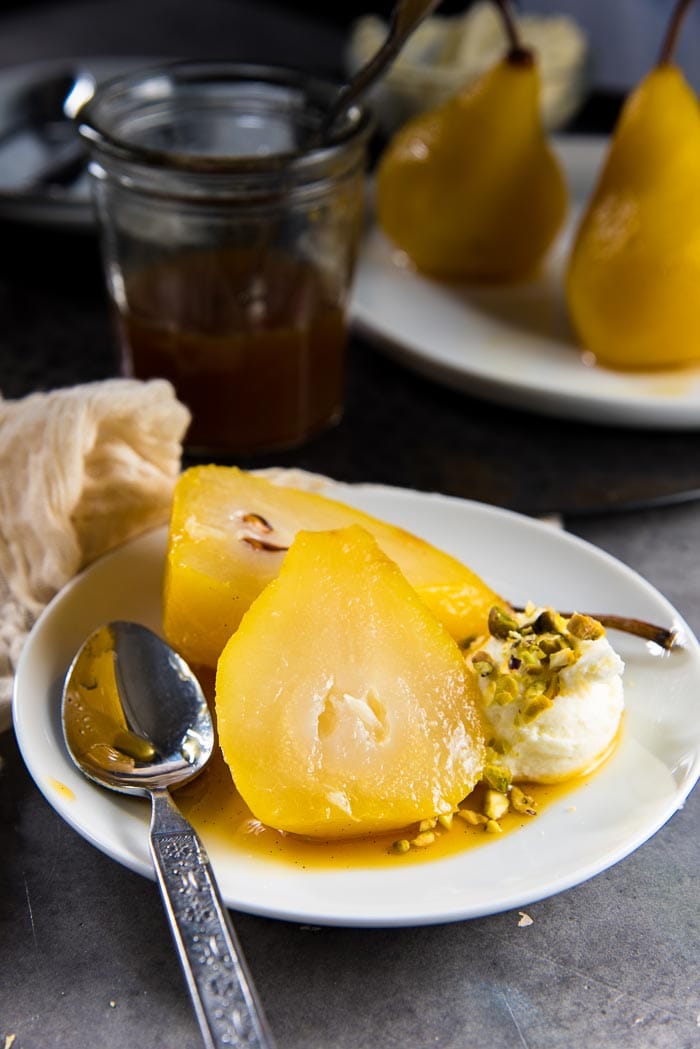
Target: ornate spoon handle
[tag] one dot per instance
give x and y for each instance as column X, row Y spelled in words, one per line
column 224, row 998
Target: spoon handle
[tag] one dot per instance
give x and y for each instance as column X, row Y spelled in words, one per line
column 225, row 1001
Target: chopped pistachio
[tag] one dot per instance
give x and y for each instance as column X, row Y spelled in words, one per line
column 585, row 628
column 564, row 658
column 497, row 777
column 483, row 663
column 421, row 841
column 427, row 824
column 470, row 816
column 401, row 846
column 501, row 624
column 493, row 827
column 506, row 689
column 552, row 643
column 496, row 804
column 534, row 707
column 549, row 622
column 535, row 687
column 523, row 802
column 530, row 656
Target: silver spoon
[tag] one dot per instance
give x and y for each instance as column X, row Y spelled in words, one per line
column 135, row 720
column 405, row 18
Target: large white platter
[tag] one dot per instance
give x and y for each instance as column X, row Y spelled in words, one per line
column 513, row 345
column 654, row 768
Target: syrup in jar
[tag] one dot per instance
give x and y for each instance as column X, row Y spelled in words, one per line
column 254, row 347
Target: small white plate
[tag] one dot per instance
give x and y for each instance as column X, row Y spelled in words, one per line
column 645, row 782
column 513, row 345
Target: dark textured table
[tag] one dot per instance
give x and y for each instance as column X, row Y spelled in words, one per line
column 86, row 960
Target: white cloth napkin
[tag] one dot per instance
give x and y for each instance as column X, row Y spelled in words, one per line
column 81, row 470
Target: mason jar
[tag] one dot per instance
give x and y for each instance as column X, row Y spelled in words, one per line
column 229, row 236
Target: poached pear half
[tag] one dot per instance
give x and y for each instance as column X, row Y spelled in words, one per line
column 343, row 707
column 229, row 535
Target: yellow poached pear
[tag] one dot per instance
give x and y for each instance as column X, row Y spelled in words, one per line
column 471, row 190
column 229, row 534
column 343, row 706
column 633, row 280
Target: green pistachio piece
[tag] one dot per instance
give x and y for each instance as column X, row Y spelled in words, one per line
column 585, row 628
column 498, row 777
column 534, row 707
column 470, row 816
column 401, row 846
column 562, row 659
column 551, row 643
column 523, row 802
column 421, row 841
column 501, row 624
column 496, row 804
column 506, row 689
column 549, row 622
column 530, row 656
column 483, row 663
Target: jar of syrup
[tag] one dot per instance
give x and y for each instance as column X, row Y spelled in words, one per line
column 229, row 241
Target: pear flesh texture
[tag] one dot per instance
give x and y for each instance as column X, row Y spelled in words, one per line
column 633, row 280
column 471, row 190
column 343, row 707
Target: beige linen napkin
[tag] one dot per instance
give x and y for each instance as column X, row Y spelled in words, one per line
column 81, row 470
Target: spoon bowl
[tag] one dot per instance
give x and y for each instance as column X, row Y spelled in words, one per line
column 131, row 730
column 135, row 720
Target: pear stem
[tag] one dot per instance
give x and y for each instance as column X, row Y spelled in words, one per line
column 517, row 53
column 668, row 46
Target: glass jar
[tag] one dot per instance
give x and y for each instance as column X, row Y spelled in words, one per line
column 229, row 241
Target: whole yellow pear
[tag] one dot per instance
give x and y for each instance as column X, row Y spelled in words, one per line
column 471, row 190
column 633, row 279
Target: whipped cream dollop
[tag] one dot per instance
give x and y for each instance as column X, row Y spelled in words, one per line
column 551, row 693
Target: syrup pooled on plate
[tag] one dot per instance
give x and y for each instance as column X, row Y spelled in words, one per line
column 215, row 808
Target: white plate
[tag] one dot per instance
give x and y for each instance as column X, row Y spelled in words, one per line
column 514, row 345
column 647, row 779
column 23, row 155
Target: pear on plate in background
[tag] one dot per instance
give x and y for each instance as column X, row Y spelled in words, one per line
column 633, row 278
column 471, row 190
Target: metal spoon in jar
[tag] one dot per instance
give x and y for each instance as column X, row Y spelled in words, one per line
column 405, row 18
column 135, row 720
